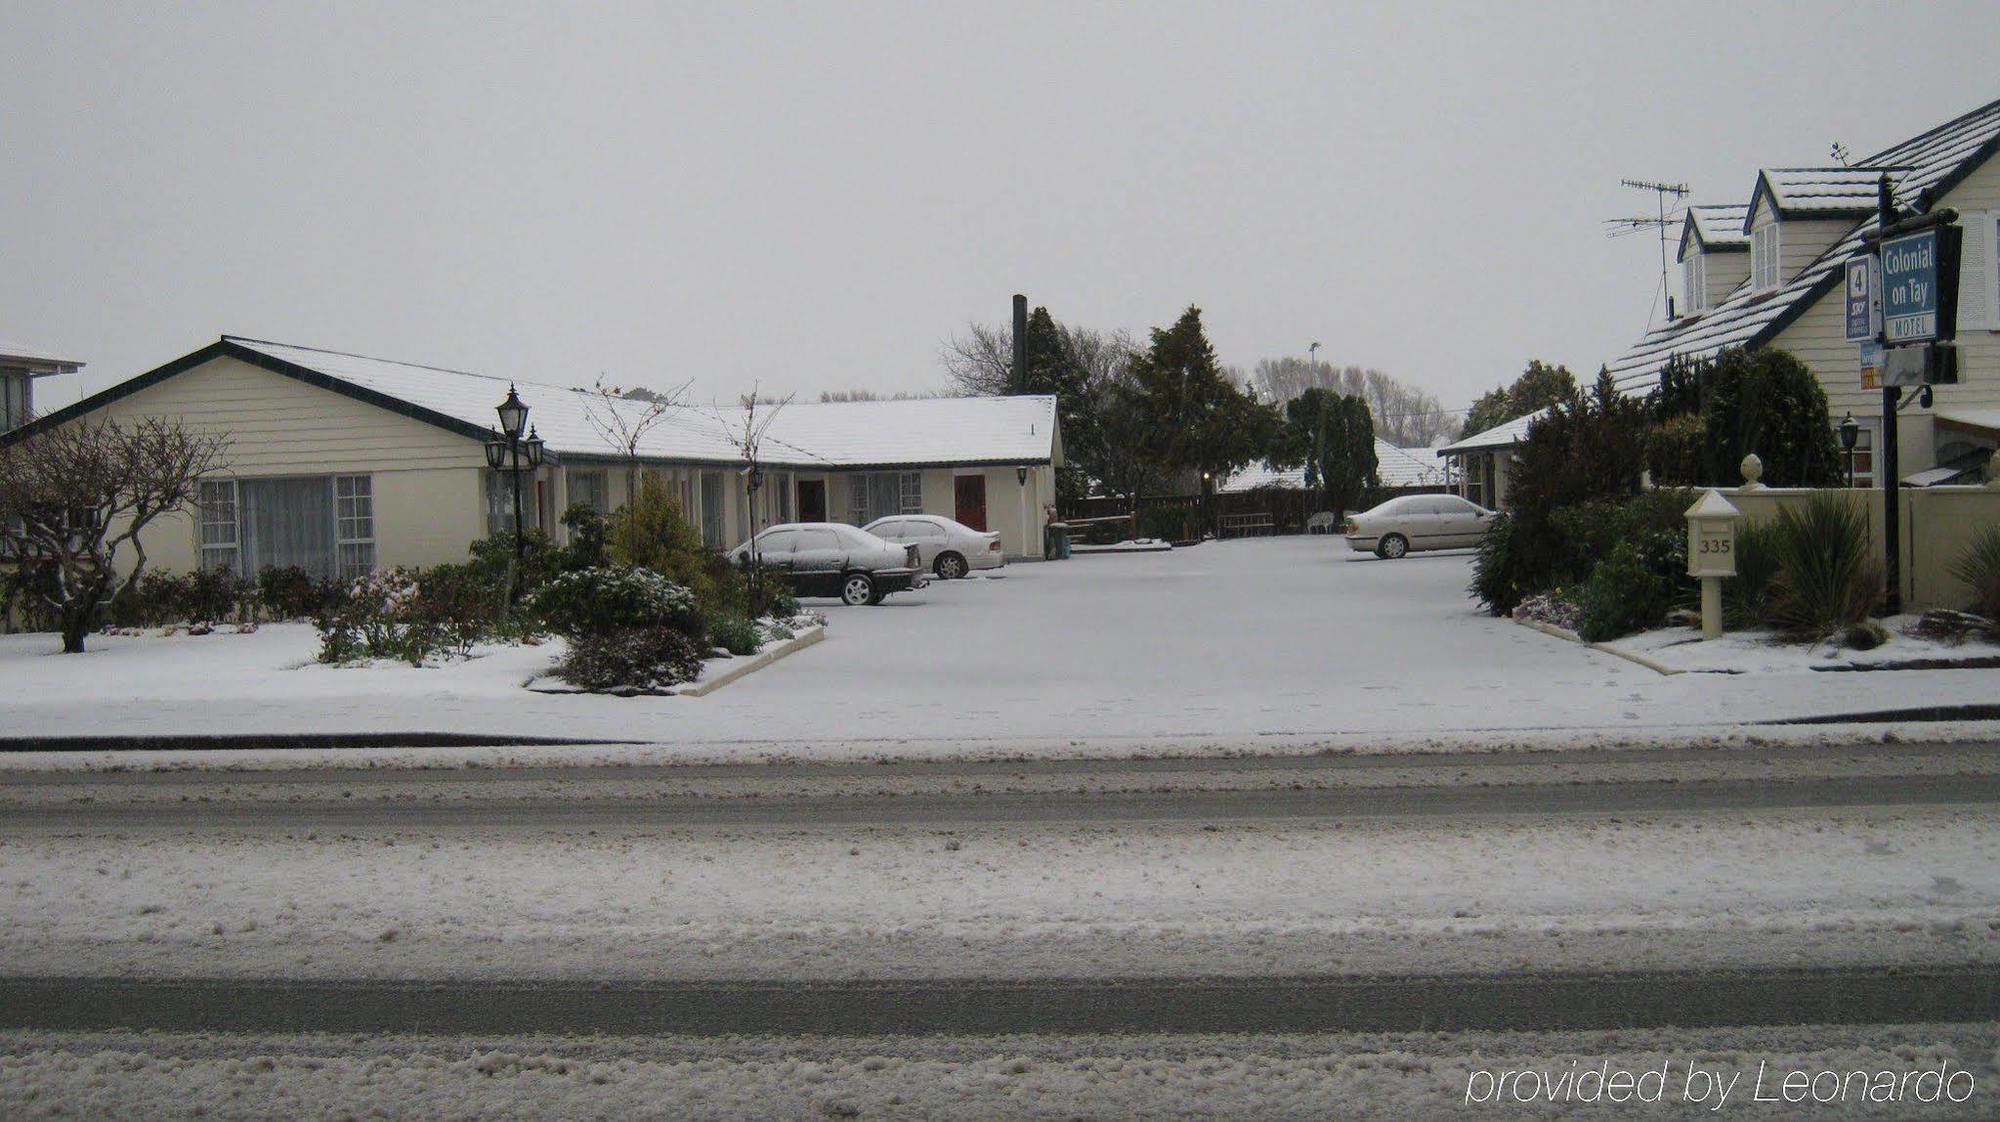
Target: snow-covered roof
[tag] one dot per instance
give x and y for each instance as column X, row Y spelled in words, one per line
column 1499, row 436
column 1832, row 192
column 1925, row 165
column 1396, row 467
column 1718, row 227
column 950, row 430
column 36, row 360
column 1988, row 418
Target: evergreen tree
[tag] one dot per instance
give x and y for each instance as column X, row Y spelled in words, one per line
column 1538, row 387
column 1191, row 417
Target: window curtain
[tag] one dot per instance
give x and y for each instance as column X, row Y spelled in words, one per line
column 287, row 522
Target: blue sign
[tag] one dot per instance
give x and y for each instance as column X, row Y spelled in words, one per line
column 1910, row 287
column 1864, row 301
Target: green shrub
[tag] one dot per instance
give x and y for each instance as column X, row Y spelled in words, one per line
column 1493, row 568
column 1626, row 593
column 650, row 533
column 1979, row 566
column 587, row 548
column 734, row 633
column 1746, row 597
column 602, row 601
column 637, row 659
column 1174, row 522
column 411, row 615
column 212, row 595
column 293, row 593
column 1825, row 579
column 771, row 596
column 493, row 558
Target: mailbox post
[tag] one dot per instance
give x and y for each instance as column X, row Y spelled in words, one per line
column 1712, row 554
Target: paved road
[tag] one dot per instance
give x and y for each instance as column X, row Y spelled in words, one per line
column 1778, row 996
column 1041, row 808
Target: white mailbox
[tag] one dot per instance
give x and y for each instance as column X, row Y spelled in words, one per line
column 1712, row 536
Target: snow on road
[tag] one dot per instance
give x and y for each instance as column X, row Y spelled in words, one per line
column 1265, row 645
column 1478, row 895
column 1347, row 1076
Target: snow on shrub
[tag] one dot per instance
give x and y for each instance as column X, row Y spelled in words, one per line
column 606, row 600
column 630, row 660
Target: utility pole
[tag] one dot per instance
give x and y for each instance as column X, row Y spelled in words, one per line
column 1319, row 424
column 1018, row 384
column 1889, row 466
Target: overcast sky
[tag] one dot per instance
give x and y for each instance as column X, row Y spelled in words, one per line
column 813, row 197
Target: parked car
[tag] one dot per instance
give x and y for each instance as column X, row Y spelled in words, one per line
column 1418, row 522
column 834, row 559
column 949, row 549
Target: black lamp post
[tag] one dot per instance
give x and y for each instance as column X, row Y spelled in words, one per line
column 507, row 452
column 1850, row 434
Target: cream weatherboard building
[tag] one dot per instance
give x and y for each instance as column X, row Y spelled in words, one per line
column 340, row 463
column 1769, row 273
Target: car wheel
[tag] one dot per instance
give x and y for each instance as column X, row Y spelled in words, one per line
column 1392, row 546
column 857, row 589
column 949, row 566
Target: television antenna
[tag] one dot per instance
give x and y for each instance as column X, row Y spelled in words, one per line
column 1665, row 217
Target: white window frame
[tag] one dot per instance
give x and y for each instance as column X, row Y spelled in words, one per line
column 1694, row 283
column 218, row 555
column 353, row 525
column 910, row 492
column 599, row 501
column 1766, row 247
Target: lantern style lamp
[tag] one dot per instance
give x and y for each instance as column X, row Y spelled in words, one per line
column 496, row 452
column 1850, row 434
column 533, row 448
column 513, row 415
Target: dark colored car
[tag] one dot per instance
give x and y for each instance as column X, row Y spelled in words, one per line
column 834, row 559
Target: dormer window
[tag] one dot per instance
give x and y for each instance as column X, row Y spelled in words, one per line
column 1694, row 284
column 1764, row 272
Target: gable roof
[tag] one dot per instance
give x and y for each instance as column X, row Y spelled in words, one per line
column 1499, row 436
column 1836, row 192
column 1396, row 467
column 1719, row 229
column 38, row 362
column 1929, row 164
column 968, row 430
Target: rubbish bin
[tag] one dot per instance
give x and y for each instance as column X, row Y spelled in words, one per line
column 1055, row 541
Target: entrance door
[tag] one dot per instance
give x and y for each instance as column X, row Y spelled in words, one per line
column 812, row 500
column 970, row 493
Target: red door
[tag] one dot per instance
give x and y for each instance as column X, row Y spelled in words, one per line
column 971, row 505
column 812, row 500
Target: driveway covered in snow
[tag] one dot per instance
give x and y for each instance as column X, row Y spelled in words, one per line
column 1277, row 644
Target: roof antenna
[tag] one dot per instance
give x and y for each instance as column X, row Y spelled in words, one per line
column 1664, row 218
column 1841, row 152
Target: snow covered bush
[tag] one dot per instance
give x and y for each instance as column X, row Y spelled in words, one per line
column 605, row 600
column 1626, row 593
column 411, row 615
column 1556, row 608
column 631, row 660
column 293, row 593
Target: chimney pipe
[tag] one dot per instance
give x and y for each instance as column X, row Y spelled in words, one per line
column 1019, row 382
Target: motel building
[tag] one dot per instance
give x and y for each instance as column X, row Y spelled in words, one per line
column 341, row 464
column 1771, row 272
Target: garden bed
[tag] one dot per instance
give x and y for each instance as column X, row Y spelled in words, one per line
column 1762, row 652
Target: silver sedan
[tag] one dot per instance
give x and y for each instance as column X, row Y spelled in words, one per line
column 1418, row 522
column 949, row 549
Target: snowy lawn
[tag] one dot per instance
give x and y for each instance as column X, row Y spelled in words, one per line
column 1258, row 645
column 1869, row 886
column 1682, row 648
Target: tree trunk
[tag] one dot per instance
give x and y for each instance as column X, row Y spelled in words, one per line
column 75, row 625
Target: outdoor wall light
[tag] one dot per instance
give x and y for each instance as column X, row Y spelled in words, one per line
column 1021, row 476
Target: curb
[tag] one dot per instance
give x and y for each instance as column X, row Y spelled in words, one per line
column 1628, row 656
column 756, row 662
column 202, row 742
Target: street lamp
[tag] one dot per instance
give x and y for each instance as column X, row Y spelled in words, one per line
column 508, row 451
column 1850, row 434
